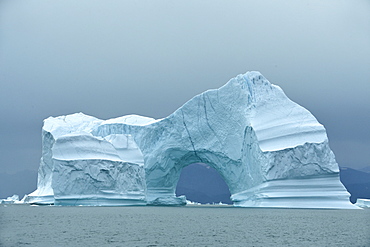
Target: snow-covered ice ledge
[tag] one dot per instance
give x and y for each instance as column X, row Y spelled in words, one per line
column 270, row 151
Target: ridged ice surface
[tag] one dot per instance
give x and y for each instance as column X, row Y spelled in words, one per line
column 267, row 148
column 311, row 192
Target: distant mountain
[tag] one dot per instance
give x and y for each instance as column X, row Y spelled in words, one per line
column 365, row 169
column 201, row 183
column 20, row 183
column 356, row 182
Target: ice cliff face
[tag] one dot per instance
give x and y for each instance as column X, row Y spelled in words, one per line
column 270, row 151
column 78, row 168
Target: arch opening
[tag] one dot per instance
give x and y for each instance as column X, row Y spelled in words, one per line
column 203, row 184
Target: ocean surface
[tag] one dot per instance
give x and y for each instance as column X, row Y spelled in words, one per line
column 22, row 225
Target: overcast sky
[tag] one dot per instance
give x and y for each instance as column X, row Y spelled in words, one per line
column 112, row 58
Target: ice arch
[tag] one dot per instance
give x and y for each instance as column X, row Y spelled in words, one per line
column 270, row 151
column 163, row 175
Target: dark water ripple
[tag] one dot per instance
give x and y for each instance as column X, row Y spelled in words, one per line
column 22, row 225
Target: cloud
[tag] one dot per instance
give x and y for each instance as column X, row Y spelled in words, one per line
column 111, row 58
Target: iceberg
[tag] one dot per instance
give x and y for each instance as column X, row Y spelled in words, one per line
column 270, row 151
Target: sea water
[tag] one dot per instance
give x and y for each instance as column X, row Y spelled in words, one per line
column 22, row 225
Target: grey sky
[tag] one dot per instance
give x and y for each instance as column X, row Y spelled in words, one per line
column 112, row 58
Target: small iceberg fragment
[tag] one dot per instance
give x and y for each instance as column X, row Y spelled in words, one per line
column 363, row 203
column 10, row 200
